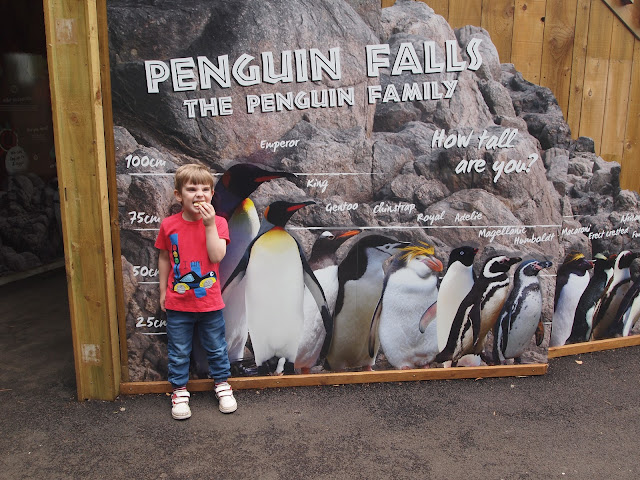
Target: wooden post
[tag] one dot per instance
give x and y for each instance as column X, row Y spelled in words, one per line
column 76, row 92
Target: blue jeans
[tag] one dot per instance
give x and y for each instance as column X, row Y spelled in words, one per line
column 180, row 341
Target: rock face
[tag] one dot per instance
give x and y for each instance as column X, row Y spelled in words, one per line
column 494, row 165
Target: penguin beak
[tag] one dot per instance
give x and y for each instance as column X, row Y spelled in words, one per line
column 273, row 176
column 514, row 260
column 434, row 264
column 349, row 233
column 298, row 206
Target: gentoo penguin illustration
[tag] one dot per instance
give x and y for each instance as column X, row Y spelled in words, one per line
column 479, row 310
column 520, row 316
column 276, row 271
column 360, row 279
column 323, row 263
column 583, row 319
column 571, row 282
column 410, row 285
column 613, row 294
column 628, row 312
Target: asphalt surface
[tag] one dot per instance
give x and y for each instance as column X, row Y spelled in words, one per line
column 581, row 420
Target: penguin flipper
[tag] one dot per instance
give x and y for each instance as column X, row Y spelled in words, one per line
column 241, row 268
column 539, row 333
column 428, row 317
column 373, row 330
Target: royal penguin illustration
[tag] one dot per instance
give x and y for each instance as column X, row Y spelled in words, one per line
column 583, row 319
column 571, row 282
column 628, row 312
column 520, row 318
column 410, row 285
column 276, row 271
column 479, row 310
column 360, row 279
column 323, row 263
column 614, row 292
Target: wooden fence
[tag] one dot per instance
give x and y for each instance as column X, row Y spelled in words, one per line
column 586, row 51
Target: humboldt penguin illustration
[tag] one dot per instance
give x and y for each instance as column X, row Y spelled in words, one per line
column 479, row 310
column 360, row 278
column 276, row 271
column 571, row 282
column 323, row 263
column 628, row 312
column 583, row 319
column 410, row 285
column 613, row 294
column 521, row 315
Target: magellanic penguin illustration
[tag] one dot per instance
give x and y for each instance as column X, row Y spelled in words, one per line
column 521, row 315
column 360, row 279
column 583, row 319
column 276, row 271
column 479, row 310
column 571, row 282
column 410, row 285
column 613, row 294
column 323, row 263
column 628, row 312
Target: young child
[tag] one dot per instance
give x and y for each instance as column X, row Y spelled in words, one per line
column 191, row 244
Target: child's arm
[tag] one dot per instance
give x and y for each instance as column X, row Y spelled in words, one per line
column 164, row 266
column 216, row 246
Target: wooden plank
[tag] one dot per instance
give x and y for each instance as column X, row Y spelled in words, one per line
column 557, row 52
column 630, row 177
column 243, row 383
column 497, row 19
column 387, row 3
column 76, row 96
column 578, row 64
column 528, row 37
column 596, row 72
column 628, row 13
column 594, row 346
column 441, row 7
column 618, row 91
column 465, row 13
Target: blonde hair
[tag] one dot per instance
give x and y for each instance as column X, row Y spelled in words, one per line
column 193, row 173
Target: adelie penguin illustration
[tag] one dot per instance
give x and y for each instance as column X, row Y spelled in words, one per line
column 628, row 312
column 360, row 279
column 410, row 285
column 571, row 282
column 520, row 318
column 583, row 319
column 276, row 271
column 479, row 310
column 614, row 292
column 323, row 263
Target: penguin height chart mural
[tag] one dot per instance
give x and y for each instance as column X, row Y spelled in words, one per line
column 396, row 198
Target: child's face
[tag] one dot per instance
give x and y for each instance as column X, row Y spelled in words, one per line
column 192, row 194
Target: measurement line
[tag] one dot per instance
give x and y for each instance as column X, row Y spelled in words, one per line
column 416, row 227
column 158, row 333
column 148, row 283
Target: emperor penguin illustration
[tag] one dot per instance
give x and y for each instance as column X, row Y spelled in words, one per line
column 628, row 312
column 571, row 282
column 276, row 271
column 479, row 310
column 614, row 292
column 323, row 263
column 360, row 279
column 583, row 319
column 410, row 285
column 520, row 318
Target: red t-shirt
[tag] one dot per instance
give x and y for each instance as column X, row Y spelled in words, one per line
column 193, row 284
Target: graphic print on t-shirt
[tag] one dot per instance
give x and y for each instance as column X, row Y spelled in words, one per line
column 192, row 279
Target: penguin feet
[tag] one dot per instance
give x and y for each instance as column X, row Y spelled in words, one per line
column 263, row 370
column 239, row 370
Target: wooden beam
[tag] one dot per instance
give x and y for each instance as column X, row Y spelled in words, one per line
column 243, row 383
column 630, row 175
column 578, row 65
column 628, row 12
column 528, row 37
column 497, row 19
column 76, row 97
column 465, row 13
column 593, row 346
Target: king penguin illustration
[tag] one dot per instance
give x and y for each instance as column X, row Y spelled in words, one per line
column 520, row 318
column 571, row 282
column 323, row 263
column 583, row 319
column 276, row 271
column 360, row 278
column 410, row 285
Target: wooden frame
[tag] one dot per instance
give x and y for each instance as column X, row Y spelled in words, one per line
column 593, row 346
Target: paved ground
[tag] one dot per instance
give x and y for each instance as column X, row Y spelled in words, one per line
column 581, row 420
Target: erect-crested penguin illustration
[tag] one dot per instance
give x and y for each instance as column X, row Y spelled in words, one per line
column 583, row 319
column 410, row 285
column 323, row 263
column 613, row 294
column 276, row 271
column 360, row 279
column 571, row 282
column 479, row 310
column 628, row 312
column 521, row 315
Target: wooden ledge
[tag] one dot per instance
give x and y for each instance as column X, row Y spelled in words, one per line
column 244, row 383
column 593, row 346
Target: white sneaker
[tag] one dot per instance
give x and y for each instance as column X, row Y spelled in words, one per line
column 180, row 405
column 224, row 394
